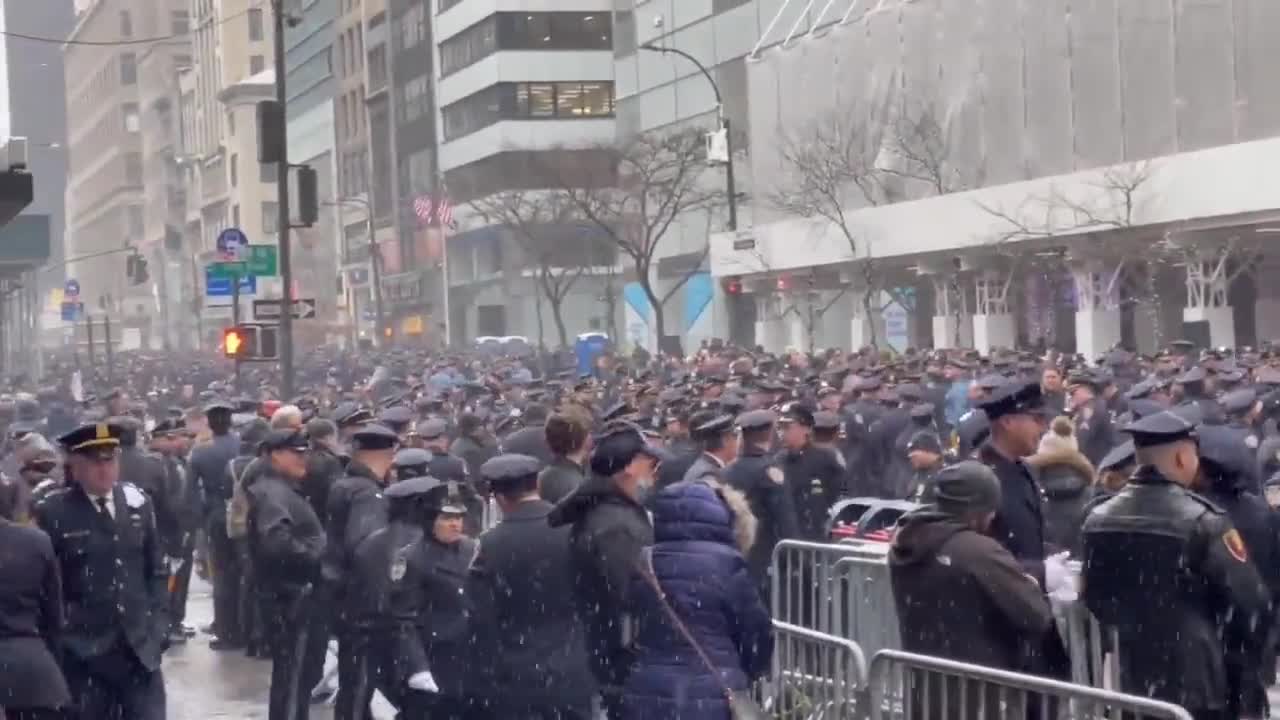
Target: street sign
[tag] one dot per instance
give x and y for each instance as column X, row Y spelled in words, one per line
column 268, row 310
column 232, row 243
column 228, row 270
column 71, row 311
column 262, row 260
column 258, row 260
column 72, row 288
column 215, row 286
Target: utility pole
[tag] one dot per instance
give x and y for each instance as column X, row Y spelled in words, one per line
column 282, row 203
column 375, row 260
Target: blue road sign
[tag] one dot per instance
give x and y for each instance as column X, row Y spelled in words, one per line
column 233, row 243
column 71, row 311
column 72, row 288
column 221, row 286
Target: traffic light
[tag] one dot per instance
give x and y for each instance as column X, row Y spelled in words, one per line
column 135, row 268
column 234, row 343
column 308, row 196
column 251, row 342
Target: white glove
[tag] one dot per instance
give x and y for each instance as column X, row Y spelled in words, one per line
column 1057, row 578
column 173, row 564
column 424, row 682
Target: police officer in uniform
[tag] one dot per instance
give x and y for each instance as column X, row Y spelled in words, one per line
column 1094, row 431
column 31, row 684
column 756, row 476
column 812, row 479
column 1166, row 568
column 1240, row 409
column 535, row 640
column 114, row 581
column 286, row 543
column 209, row 462
column 718, row 441
column 170, row 440
column 356, row 509
column 429, row 608
column 446, row 467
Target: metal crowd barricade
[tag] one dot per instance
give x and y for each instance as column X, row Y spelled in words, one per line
column 814, row 675
column 918, row 687
column 839, row 589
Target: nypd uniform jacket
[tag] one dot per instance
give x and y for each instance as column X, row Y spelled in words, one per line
column 30, row 620
column 1167, row 569
column 815, row 481
column 114, row 577
column 286, row 540
column 1019, row 523
column 755, row 475
column 430, row 609
column 356, row 509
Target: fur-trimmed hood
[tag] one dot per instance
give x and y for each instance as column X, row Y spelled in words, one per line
column 1071, row 458
column 704, row 510
column 1061, row 471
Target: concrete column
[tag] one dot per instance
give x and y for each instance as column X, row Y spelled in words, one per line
column 1267, row 315
column 952, row 316
column 1207, row 297
column 993, row 324
column 1097, row 307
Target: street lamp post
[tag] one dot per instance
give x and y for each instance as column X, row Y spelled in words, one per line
column 375, row 261
column 723, row 121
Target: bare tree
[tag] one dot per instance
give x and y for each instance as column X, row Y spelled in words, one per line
column 538, row 220
column 659, row 182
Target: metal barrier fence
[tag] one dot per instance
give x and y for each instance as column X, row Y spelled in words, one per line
column 814, row 675
column 918, row 687
column 844, row 590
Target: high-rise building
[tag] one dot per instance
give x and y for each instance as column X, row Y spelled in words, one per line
column 520, row 89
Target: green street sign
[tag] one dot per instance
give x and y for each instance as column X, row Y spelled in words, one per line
column 262, row 261
column 228, row 270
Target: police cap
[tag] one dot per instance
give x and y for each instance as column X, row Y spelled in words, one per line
column 1143, row 407
column 1192, row 376
column 992, row 381
column 1118, row 457
column 1224, row 450
column 922, row 411
column 509, row 469
column 100, row 439
column 1160, row 428
column 219, row 406
column 967, row 486
column 349, row 414
column 713, row 425
column 757, row 420
column 797, row 413
column 374, row 437
column 617, row 411
column 410, row 458
column 1238, row 402
column 431, row 428
column 617, row 445
column 294, row 440
column 169, row 426
column 410, row 488
column 1015, row 398
column 1268, row 376
column 397, row 416
column 925, row 440
column 448, row 498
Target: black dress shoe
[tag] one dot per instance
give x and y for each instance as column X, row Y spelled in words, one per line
column 225, row 644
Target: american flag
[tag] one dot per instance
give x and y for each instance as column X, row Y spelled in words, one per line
column 422, row 208
column 446, row 212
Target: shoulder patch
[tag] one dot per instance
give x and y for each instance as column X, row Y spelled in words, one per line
column 399, row 564
column 133, row 496
column 775, row 475
column 1235, row 545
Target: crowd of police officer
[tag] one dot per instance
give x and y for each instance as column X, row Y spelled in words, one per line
column 355, row 513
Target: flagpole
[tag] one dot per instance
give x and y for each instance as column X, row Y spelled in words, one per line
column 444, row 257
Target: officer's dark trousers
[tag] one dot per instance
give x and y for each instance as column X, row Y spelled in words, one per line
column 226, row 581
column 289, row 698
column 247, row 605
column 22, row 714
column 364, row 665
column 180, row 586
column 320, row 624
column 542, row 712
column 115, row 686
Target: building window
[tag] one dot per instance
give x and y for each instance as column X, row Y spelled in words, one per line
column 180, row 22
column 342, row 54
column 469, row 46
column 131, row 122
column 126, row 24
column 128, row 69
column 413, row 26
column 256, row 33
column 422, row 172
column 523, row 101
column 555, row 31
column 719, row 6
column 624, row 33
column 267, row 173
column 235, row 216
column 446, row 4
column 231, row 123
column 235, row 170
column 414, row 101
column 377, row 68
column 270, row 218
column 256, row 64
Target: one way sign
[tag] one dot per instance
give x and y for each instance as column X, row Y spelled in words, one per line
column 269, row 310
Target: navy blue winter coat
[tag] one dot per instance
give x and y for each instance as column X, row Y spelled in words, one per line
column 697, row 558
